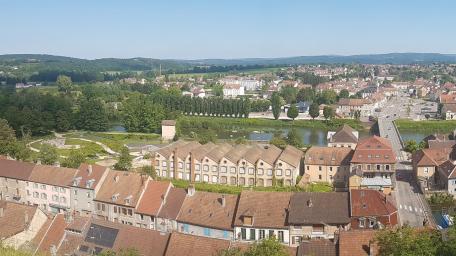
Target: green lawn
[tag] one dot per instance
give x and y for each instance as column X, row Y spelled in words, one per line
column 431, row 126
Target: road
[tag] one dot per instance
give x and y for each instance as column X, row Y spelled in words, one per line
column 410, row 202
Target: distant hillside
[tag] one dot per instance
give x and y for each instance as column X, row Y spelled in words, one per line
column 37, row 62
column 389, row 58
column 41, row 61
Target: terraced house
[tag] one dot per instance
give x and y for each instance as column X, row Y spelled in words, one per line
column 373, row 165
column 328, row 164
column 243, row 165
column 14, row 177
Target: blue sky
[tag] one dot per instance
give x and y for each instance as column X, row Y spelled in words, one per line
column 190, row 29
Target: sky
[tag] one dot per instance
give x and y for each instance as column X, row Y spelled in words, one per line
column 197, row 29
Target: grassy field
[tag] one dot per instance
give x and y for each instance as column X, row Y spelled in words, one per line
column 115, row 140
column 218, row 188
column 431, row 126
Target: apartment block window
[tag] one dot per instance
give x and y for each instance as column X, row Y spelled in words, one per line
column 319, row 168
column 130, row 212
column 163, row 173
column 197, row 177
column 223, row 180
column 330, row 168
column 252, row 234
column 251, row 171
column 233, row 170
column 179, row 175
column 36, row 194
column 187, row 176
column 288, row 172
column 279, row 172
column 43, row 186
column 206, row 178
column 260, row 171
column 99, row 207
column 207, row 231
column 261, row 234
column 269, row 172
column 55, row 198
column 56, row 189
column 378, row 167
column 205, row 167
column 319, row 177
column 115, row 209
column 187, row 166
column 197, row 167
column 242, row 181
column 280, row 236
column 223, row 169
column 214, row 168
column 387, row 167
column 171, row 164
column 251, row 181
column 241, row 170
column 43, row 196
column 63, row 200
column 103, row 207
column 243, row 234
column 214, row 179
column 180, row 165
column 307, row 167
column 164, row 164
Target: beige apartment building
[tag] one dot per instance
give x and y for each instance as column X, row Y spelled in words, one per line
column 328, row 164
column 13, row 180
column 243, row 165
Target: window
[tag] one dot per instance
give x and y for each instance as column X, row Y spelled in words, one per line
column 197, row 177
column 124, row 211
column 251, row 171
column 280, row 236
column 43, row 186
column 207, row 231
column 55, row 198
column 205, row 167
column 223, row 180
column 252, row 234
column 243, row 234
column 164, row 163
column 130, row 212
column 63, row 200
column 371, row 223
column 319, row 168
column 260, row 171
column 426, row 170
column 387, row 167
column 251, row 181
column 56, row 189
column 279, row 172
column 214, row 168
column 103, row 207
column 330, row 177
column 179, row 175
column 288, row 172
column 180, row 165
column 261, row 234
column 271, row 233
column 223, row 169
column 36, row 194
column 43, row 196
column 241, row 170
column 214, row 179
column 330, row 168
column 378, row 167
column 89, row 195
column 307, row 167
column 362, row 223
column 35, row 185
column 233, row 169
column 319, row 177
column 233, row 180
column 269, row 172
column 164, row 174
column 296, row 239
column 242, row 181
column 206, row 178
column 115, row 209
column 197, row 167
column 75, row 192
column 187, row 166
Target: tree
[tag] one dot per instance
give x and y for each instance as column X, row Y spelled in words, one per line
column 289, row 94
column 411, row 146
column 327, row 97
column 7, row 137
column 92, row 115
column 142, row 115
column 64, row 84
column 409, row 242
column 344, row 94
column 148, row 171
column 276, row 107
column 20, row 151
column 293, row 112
column 62, row 120
column 48, row 154
column 270, row 247
column 314, row 110
column 125, row 159
column 294, row 139
column 328, row 112
column 278, row 141
column 74, row 159
column 306, row 94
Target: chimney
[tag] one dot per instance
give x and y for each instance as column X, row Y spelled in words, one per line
column 89, row 169
column 223, row 201
column 191, row 190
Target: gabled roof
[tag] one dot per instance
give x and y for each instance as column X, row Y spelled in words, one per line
column 173, row 203
column 312, row 208
column 447, row 169
column 368, row 202
column 291, row 155
column 153, row 197
column 206, row 209
column 270, row 154
column 52, row 175
column 168, row 150
column 357, row 243
column 89, row 175
column 374, row 150
column 13, row 220
column 183, row 151
column 253, row 154
column 190, row 245
column 320, row 247
column 15, row 169
column 328, row 156
column 345, row 134
column 121, row 185
column 431, row 157
column 258, row 205
column 236, row 153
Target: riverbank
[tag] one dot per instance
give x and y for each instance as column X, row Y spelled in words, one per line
column 207, row 122
column 428, row 126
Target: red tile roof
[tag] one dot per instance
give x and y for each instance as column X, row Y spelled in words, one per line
column 52, row 175
column 53, row 235
column 367, row 202
column 16, row 217
column 374, row 150
column 357, row 243
column 88, row 172
column 153, row 197
column 15, row 169
column 189, row 245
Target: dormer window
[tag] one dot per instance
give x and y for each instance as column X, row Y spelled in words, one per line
column 115, row 197
column 128, row 200
column 247, row 220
